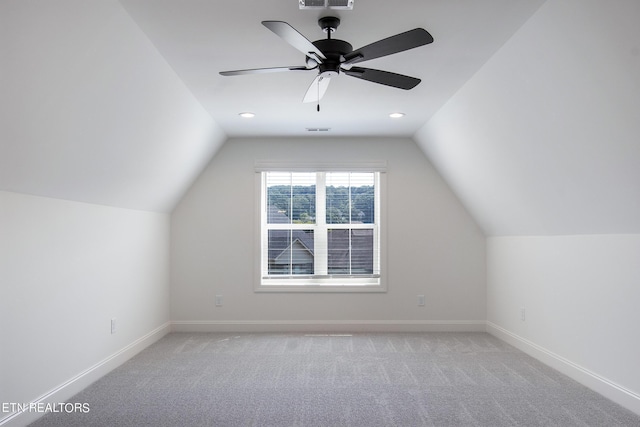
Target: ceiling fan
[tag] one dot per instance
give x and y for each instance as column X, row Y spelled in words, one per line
column 332, row 56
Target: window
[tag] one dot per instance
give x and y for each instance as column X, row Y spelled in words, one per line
column 320, row 231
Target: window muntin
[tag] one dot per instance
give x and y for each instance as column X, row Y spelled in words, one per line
column 290, row 252
column 291, row 197
column 320, row 229
column 350, row 251
column 350, row 198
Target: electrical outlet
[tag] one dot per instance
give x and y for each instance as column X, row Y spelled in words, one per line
column 113, row 325
column 421, row 300
column 218, row 300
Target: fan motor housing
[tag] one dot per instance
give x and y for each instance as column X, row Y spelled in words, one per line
column 333, row 47
column 334, row 50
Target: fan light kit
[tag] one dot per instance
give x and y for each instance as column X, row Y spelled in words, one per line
column 326, row 4
column 329, row 57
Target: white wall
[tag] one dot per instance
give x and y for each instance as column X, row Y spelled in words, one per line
column 580, row 295
column 434, row 246
column 67, row 268
column 543, row 141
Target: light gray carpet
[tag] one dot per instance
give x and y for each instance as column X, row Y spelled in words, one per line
column 412, row 379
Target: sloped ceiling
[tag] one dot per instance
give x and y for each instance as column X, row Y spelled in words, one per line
column 120, row 102
column 537, row 133
column 90, row 111
column 545, row 138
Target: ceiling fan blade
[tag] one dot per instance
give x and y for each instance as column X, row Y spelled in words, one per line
column 263, row 70
column 394, row 44
column 295, row 39
column 317, row 89
column 383, row 77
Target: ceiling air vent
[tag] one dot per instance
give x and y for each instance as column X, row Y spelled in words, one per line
column 326, row 4
column 318, row 129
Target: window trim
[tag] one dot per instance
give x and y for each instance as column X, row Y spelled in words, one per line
column 370, row 283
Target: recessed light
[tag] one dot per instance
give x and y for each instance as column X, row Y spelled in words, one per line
column 396, row 115
column 247, row 115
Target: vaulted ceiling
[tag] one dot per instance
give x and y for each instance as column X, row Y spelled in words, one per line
column 529, row 109
column 201, row 38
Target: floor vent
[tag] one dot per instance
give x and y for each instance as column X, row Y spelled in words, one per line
column 328, row 335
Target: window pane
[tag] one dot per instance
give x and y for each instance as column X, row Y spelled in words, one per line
column 291, row 197
column 350, row 251
column 303, row 199
column 337, row 197
column 338, row 251
column 291, row 252
column 362, row 251
column 362, row 198
column 350, row 198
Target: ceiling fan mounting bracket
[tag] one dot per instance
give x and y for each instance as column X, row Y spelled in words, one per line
column 329, row 24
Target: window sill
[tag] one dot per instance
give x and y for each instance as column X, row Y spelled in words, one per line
column 302, row 285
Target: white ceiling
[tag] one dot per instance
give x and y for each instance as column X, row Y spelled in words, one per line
column 200, row 38
column 120, row 102
column 529, row 109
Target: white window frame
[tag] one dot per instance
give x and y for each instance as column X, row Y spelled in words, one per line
column 319, row 282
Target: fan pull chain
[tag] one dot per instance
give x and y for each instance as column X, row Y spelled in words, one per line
column 318, row 107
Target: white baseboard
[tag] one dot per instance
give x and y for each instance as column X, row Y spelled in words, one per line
column 597, row 383
column 76, row 384
column 328, row 326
